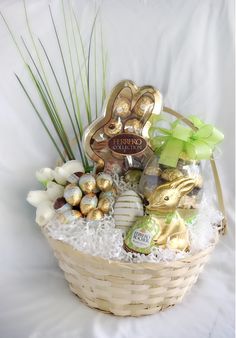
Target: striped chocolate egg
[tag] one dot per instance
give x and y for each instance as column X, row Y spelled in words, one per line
column 127, row 208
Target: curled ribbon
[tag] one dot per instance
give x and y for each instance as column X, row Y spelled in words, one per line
column 172, row 143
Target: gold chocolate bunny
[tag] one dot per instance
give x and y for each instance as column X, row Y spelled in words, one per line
column 163, row 203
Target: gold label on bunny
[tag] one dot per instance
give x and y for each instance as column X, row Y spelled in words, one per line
column 127, row 144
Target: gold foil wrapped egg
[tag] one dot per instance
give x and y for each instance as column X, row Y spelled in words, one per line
column 143, row 106
column 69, row 216
column 113, row 128
column 171, row 174
column 72, row 194
column 122, row 108
column 95, row 215
column 104, row 181
column 133, row 126
column 88, row 203
column 105, row 204
column 87, row 183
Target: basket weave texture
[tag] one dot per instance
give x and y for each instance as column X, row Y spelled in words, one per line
column 128, row 289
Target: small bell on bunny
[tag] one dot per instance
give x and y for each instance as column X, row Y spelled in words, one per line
column 163, row 203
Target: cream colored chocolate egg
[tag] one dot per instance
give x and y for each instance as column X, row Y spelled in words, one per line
column 127, row 209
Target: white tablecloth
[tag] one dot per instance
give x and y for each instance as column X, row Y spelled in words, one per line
column 185, row 48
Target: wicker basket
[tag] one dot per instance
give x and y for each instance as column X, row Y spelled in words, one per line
column 128, row 289
column 133, row 289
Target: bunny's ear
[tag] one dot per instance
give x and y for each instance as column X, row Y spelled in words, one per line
column 183, row 184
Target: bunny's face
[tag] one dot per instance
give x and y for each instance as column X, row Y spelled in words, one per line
column 166, row 197
column 123, row 130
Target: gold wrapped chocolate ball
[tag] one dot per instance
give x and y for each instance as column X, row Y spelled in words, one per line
column 104, row 181
column 133, row 126
column 171, row 174
column 69, row 216
column 153, row 171
column 122, row 108
column 72, row 194
column 105, row 204
column 133, row 176
column 144, row 105
column 88, row 203
column 95, row 215
column 87, row 183
column 108, row 194
column 114, row 127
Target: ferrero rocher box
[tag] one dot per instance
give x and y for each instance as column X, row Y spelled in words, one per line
column 119, row 140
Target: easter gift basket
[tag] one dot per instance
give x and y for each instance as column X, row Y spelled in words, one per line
column 126, row 210
column 132, row 232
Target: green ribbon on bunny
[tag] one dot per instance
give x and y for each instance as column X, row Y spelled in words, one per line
column 183, row 142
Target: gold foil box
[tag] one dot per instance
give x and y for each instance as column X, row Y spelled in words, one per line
column 121, row 134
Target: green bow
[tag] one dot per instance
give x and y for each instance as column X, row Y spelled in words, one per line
column 179, row 140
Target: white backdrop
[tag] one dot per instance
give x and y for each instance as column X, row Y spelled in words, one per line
column 185, row 48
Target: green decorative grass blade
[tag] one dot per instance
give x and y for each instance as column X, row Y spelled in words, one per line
column 65, row 68
column 41, row 120
column 37, row 52
column 75, row 58
column 64, row 101
column 88, row 65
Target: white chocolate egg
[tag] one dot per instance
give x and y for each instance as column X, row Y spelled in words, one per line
column 127, row 208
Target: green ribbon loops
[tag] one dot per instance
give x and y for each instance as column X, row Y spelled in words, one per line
column 172, row 143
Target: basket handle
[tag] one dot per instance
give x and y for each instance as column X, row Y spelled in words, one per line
column 223, row 226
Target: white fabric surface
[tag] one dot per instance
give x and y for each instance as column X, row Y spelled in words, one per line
column 185, row 48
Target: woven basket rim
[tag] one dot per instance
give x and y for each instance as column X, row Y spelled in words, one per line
column 65, row 247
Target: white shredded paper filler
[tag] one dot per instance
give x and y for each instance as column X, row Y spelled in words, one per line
column 101, row 238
